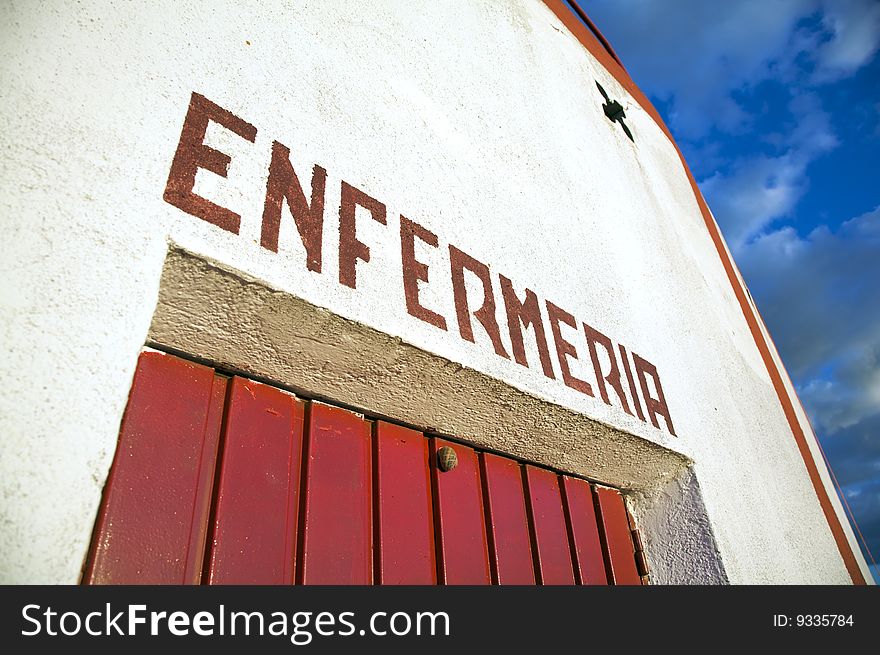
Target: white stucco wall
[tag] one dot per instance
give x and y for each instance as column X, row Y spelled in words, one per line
column 480, row 121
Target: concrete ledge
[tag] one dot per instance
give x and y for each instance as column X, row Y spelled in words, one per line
column 240, row 325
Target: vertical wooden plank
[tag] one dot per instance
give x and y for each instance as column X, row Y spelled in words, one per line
column 551, row 532
column 255, row 519
column 510, row 543
column 200, row 529
column 464, row 554
column 621, row 554
column 589, row 561
column 406, row 522
column 144, row 532
column 337, row 528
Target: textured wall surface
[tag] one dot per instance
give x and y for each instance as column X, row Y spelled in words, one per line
column 479, row 121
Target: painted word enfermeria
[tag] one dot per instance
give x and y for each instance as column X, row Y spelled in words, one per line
column 522, row 312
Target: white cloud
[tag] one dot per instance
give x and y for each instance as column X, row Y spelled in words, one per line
column 696, row 55
column 759, row 190
column 709, row 49
column 854, row 26
column 819, row 296
column 811, row 134
column 855, row 451
column 850, row 396
column 754, row 194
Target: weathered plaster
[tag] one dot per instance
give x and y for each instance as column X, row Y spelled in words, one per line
column 481, row 121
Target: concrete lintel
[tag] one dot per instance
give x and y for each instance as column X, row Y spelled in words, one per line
column 241, row 325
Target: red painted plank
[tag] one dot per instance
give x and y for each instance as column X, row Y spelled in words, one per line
column 406, row 523
column 459, row 509
column 205, row 489
column 551, row 532
column 511, row 545
column 337, row 524
column 617, row 537
column 144, row 533
column 589, row 561
column 255, row 519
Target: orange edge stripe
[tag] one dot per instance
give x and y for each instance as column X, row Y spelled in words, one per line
column 595, row 30
column 598, row 50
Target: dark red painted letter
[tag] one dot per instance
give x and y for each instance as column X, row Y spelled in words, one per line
column 414, row 270
column 564, row 349
column 350, row 249
column 522, row 315
column 192, row 154
column 282, row 185
column 654, row 406
column 632, row 383
column 613, row 376
column 485, row 315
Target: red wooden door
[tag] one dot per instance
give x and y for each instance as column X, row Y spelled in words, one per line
column 586, row 543
column 153, row 521
column 225, row 480
column 551, row 532
column 255, row 520
column 463, row 547
column 621, row 556
column 337, row 513
column 404, row 506
column 509, row 531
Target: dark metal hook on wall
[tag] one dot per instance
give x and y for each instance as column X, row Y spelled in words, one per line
column 614, row 111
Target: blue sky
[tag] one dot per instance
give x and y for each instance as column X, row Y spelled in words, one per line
column 776, row 106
